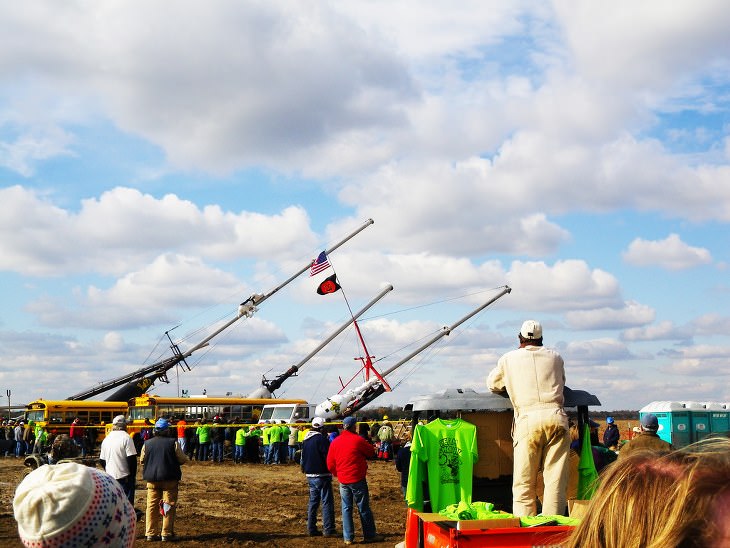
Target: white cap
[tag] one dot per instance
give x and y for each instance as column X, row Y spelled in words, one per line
column 531, row 329
column 317, row 422
column 119, row 420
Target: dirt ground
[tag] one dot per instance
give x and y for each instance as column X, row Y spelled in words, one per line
column 242, row 505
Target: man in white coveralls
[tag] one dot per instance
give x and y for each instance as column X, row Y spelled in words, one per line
column 534, row 377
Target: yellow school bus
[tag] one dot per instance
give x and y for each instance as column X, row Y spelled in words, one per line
column 143, row 411
column 57, row 415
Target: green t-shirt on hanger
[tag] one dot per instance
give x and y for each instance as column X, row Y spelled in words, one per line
column 443, row 452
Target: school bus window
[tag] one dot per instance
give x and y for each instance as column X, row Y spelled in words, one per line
column 56, row 416
column 36, row 416
column 106, row 416
column 141, row 413
column 166, row 410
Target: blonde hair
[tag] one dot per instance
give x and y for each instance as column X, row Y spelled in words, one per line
column 651, row 500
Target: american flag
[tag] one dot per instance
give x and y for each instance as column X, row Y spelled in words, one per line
column 319, row 264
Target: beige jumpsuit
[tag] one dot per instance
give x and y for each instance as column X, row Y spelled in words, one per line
column 534, row 378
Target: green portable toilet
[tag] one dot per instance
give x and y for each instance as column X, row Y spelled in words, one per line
column 699, row 420
column 674, row 421
column 719, row 418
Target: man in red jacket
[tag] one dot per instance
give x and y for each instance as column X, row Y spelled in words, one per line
column 346, row 460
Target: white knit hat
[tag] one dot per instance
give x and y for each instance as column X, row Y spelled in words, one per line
column 69, row 505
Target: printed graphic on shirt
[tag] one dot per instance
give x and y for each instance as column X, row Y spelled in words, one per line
column 449, row 460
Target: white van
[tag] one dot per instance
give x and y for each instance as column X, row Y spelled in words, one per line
column 288, row 412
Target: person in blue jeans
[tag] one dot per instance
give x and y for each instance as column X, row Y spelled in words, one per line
column 347, row 460
column 357, row 494
column 313, row 462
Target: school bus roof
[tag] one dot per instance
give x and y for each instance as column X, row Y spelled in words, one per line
column 212, row 400
column 80, row 404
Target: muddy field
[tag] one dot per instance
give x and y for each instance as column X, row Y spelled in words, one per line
column 242, row 505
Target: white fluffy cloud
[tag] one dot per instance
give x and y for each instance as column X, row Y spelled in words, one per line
column 670, row 253
column 567, row 285
column 156, row 294
column 124, row 229
column 597, row 351
column 632, row 314
column 287, row 77
column 699, row 361
column 644, row 47
column 663, row 330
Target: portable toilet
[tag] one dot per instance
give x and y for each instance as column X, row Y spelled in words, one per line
column 674, row 421
column 699, row 419
column 719, row 418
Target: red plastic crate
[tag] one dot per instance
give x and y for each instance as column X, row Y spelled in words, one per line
column 444, row 534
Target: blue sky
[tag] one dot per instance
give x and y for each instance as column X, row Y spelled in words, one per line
column 161, row 162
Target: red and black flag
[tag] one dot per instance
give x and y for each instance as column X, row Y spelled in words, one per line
column 328, row 285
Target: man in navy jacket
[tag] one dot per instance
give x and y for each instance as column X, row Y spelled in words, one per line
column 612, row 435
column 314, row 464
